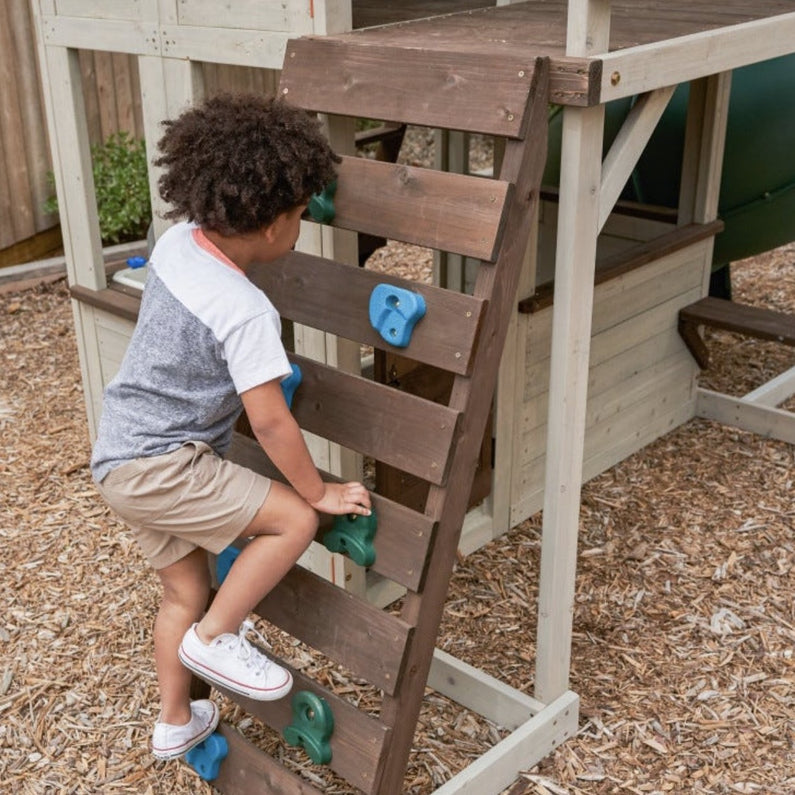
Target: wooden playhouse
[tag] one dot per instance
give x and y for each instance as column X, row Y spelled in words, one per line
column 568, row 304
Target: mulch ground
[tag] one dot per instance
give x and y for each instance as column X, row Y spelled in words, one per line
column 684, row 622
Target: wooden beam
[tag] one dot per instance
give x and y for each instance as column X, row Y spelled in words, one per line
column 636, row 70
column 628, row 146
column 581, row 157
column 772, row 423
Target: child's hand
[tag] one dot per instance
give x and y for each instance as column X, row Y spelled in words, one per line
column 342, row 498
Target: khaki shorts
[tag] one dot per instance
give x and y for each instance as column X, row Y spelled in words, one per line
column 184, row 499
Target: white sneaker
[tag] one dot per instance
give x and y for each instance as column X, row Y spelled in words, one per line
column 170, row 741
column 230, row 661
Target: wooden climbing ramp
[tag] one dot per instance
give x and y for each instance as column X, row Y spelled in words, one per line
column 438, row 442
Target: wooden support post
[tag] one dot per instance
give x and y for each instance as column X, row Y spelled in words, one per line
column 588, row 32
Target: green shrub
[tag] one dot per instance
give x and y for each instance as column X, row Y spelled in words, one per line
column 122, row 189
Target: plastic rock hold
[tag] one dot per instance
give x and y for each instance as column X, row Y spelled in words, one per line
column 353, row 535
column 312, row 726
column 394, row 311
column 136, row 262
column 321, row 205
column 290, row 384
column 224, row 561
column 206, row 757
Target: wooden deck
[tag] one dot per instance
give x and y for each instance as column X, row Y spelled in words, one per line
column 693, row 39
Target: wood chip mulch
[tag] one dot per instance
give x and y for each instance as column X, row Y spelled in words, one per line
column 684, row 622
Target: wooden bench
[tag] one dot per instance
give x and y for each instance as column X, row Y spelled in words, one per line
column 756, row 411
column 751, row 321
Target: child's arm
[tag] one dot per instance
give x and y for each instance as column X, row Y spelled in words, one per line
column 278, row 433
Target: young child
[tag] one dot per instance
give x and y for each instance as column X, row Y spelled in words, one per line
column 241, row 170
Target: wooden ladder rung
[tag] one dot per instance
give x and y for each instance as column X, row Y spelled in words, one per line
column 460, row 90
column 405, row 431
column 459, row 213
column 403, row 536
column 750, row 321
column 325, row 294
column 368, row 641
column 357, row 744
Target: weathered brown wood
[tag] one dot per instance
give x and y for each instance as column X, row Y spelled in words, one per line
column 407, row 375
column 357, row 744
column 634, row 257
column 460, row 90
column 435, row 209
column 115, row 301
column 523, row 164
column 402, row 538
column 403, row 430
column 750, row 321
column 325, row 294
column 366, row 640
column 248, row 771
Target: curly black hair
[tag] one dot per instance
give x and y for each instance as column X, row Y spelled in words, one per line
column 237, row 161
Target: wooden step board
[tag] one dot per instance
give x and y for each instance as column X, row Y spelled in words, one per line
column 438, row 442
column 750, row 321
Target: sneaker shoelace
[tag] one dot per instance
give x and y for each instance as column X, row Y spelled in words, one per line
column 247, row 652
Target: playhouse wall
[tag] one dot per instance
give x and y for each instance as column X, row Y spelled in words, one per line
column 641, row 380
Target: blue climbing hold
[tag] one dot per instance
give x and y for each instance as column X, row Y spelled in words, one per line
column 290, row 384
column 224, row 561
column 394, row 311
column 206, row 757
column 136, row 262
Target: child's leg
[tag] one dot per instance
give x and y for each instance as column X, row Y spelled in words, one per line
column 283, row 529
column 186, row 588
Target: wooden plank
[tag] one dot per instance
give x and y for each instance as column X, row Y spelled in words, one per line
column 12, row 143
column 644, row 253
column 775, row 391
column 477, row 691
column 459, row 90
column 137, row 38
column 772, row 423
column 366, row 640
column 751, row 321
column 459, row 213
column 403, row 536
column 497, row 768
column 405, row 431
column 325, row 294
column 357, row 743
column 249, row 771
column 111, row 300
column 629, row 72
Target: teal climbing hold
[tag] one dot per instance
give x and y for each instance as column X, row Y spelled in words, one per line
column 394, row 311
column 321, row 205
column 353, row 535
column 312, row 726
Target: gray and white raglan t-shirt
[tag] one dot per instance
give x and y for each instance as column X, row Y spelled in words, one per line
column 205, row 334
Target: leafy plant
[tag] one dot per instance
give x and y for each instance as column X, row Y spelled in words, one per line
column 121, row 185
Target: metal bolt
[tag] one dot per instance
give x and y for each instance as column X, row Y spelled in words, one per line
column 615, row 78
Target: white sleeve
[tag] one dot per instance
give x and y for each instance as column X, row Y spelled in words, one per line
column 254, row 352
